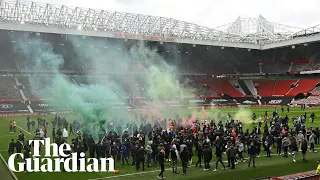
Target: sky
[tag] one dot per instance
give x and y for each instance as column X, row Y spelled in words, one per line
column 212, row 13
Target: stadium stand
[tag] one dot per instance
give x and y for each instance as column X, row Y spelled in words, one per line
column 265, row 87
column 303, row 86
column 35, row 91
column 223, row 86
column 314, row 100
column 202, row 89
column 282, row 87
column 251, row 87
column 316, row 91
column 6, row 59
column 275, row 68
column 8, row 88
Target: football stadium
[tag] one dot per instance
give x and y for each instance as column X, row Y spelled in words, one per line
column 163, row 98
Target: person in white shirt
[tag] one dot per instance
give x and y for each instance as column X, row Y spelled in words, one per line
column 174, row 158
column 41, row 134
column 65, row 134
column 300, row 139
column 260, row 121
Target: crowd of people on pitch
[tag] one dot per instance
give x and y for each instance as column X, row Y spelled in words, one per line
column 167, row 142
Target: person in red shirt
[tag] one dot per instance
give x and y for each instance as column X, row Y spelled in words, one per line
column 10, row 127
column 234, row 134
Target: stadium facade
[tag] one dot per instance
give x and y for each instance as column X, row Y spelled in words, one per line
column 250, row 62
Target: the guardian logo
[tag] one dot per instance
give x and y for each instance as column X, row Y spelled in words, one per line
column 52, row 162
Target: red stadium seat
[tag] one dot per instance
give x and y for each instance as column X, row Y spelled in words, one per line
column 282, row 87
column 304, row 86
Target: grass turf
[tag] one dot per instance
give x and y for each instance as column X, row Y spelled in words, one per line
column 266, row 167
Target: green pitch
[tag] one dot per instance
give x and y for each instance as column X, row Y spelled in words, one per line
column 266, row 167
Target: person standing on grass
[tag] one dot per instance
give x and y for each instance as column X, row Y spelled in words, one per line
column 10, row 127
column 161, row 160
column 28, row 125
column 199, row 154
column 304, row 148
column 267, row 144
column 184, row 155
column 231, row 152
column 14, row 126
column 19, row 147
column 65, row 134
column 26, row 155
column 294, row 148
column 300, row 139
column 12, row 144
column 312, row 117
column 279, row 145
column 140, row 158
column 174, row 159
column 252, row 154
column 285, row 145
column 317, row 133
column 240, row 148
column 207, row 155
column 125, row 153
column 219, row 157
column 311, row 141
column 134, row 154
column 149, row 155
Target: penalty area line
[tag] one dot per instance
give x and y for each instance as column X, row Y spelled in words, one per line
column 24, row 130
column 4, row 161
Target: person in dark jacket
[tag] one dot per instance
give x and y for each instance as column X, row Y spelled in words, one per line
column 90, row 144
column 19, row 146
column 26, row 155
column 252, row 154
column 279, row 145
column 219, row 158
column 134, row 152
column 141, row 158
column 200, row 154
column 174, row 158
column 12, row 144
column 184, row 155
column 207, row 155
column 231, row 153
column 267, row 144
column 304, row 148
column 161, row 160
column 125, row 153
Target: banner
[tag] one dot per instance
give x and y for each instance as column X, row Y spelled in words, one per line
column 45, row 107
column 247, row 101
column 18, row 114
column 223, row 102
column 13, row 107
column 276, row 100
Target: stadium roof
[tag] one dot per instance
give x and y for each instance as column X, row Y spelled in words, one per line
column 252, row 29
column 251, row 33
